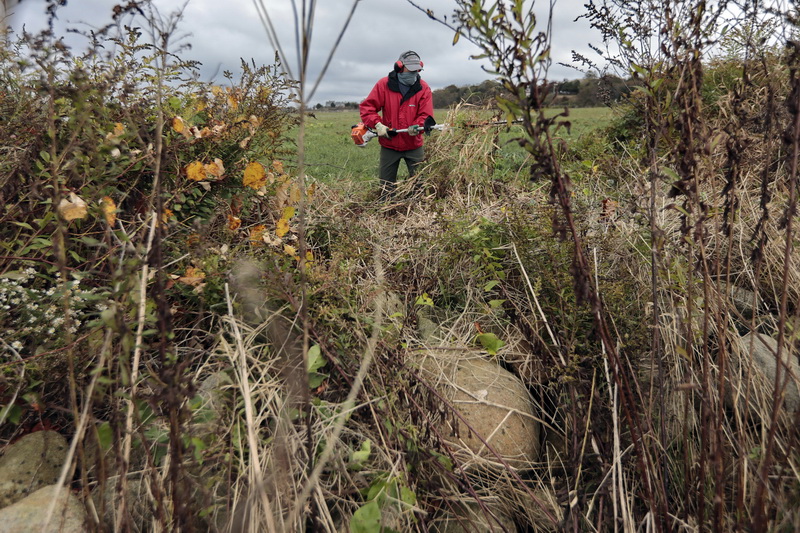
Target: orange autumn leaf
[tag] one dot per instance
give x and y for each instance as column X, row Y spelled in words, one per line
column 193, row 239
column 257, row 235
column 201, row 134
column 193, row 277
column 215, row 169
column 255, row 176
column 282, row 227
column 196, row 171
column 234, row 222
column 109, row 210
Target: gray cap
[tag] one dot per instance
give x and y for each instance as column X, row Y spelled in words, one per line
column 411, row 60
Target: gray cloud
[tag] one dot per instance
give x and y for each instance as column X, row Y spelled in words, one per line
column 220, row 33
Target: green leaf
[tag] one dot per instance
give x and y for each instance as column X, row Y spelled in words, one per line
column 14, row 414
column 490, row 342
column 491, row 285
column 366, row 519
column 199, row 446
column 360, row 456
column 315, row 359
column 424, row 300
column 105, row 435
column 445, row 461
column 315, row 379
column 408, row 496
column 496, row 304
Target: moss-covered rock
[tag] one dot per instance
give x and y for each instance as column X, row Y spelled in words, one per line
column 493, row 402
column 32, row 462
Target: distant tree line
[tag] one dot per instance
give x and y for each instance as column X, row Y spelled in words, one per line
column 590, row 91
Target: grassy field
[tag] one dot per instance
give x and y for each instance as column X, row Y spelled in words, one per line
column 331, row 154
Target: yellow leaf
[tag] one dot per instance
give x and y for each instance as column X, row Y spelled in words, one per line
column 72, row 207
column 215, row 169
column 255, row 176
column 290, row 251
column 196, row 171
column 233, row 99
column 234, row 222
column 311, row 190
column 257, row 235
column 288, row 212
column 109, row 210
column 179, row 125
column 216, row 90
column 295, row 194
column 282, row 227
column 114, row 136
column 309, row 256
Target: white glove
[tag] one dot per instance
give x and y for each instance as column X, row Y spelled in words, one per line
column 414, row 130
column 382, row 130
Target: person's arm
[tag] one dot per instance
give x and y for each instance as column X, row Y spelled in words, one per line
column 372, row 106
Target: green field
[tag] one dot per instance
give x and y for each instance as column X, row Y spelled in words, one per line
column 331, row 154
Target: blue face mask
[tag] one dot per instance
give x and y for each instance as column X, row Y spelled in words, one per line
column 407, row 78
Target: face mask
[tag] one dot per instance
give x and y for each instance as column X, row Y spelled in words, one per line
column 407, row 78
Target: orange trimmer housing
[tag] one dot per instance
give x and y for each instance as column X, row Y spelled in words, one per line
column 358, row 134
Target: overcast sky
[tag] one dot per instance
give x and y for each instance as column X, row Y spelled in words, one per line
column 221, row 32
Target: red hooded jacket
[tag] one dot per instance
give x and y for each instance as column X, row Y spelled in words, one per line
column 398, row 111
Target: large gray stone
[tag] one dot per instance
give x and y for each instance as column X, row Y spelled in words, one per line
column 757, row 357
column 32, row 462
column 493, row 402
column 138, row 501
column 30, row 513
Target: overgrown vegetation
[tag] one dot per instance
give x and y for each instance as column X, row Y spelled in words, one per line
column 203, row 319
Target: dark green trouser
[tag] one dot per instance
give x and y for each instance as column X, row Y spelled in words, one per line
column 390, row 162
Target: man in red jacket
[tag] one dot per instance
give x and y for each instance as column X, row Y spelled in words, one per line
column 398, row 101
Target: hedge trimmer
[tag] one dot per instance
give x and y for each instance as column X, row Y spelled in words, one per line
column 361, row 134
